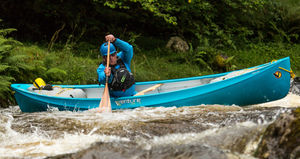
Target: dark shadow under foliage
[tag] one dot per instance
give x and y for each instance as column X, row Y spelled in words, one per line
column 226, row 23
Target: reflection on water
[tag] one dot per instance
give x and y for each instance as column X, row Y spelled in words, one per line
column 216, row 131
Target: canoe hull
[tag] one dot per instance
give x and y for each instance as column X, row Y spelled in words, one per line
column 267, row 82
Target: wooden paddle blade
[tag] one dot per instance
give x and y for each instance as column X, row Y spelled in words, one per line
column 105, row 105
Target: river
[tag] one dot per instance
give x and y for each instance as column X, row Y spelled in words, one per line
column 205, row 131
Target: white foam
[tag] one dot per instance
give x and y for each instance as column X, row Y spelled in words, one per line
column 32, row 145
column 223, row 137
column 291, row 100
column 38, row 144
column 176, row 139
column 139, row 114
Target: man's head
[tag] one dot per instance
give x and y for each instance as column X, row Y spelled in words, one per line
column 112, row 52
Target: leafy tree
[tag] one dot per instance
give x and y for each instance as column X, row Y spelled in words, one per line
column 211, row 23
column 223, row 23
column 288, row 24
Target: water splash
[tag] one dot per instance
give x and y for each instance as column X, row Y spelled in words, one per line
column 291, row 100
column 222, row 129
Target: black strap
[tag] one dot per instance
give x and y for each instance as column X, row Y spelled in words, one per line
column 113, row 67
column 37, row 85
column 115, row 84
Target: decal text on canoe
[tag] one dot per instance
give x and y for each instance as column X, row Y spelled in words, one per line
column 128, row 101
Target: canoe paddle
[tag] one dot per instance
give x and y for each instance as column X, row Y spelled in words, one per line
column 105, row 105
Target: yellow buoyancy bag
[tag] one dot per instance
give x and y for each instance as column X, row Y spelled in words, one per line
column 39, row 83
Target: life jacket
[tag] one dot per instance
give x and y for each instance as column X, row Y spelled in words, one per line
column 122, row 78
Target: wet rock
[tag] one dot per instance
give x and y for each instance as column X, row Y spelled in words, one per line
column 177, row 44
column 132, row 150
column 184, row 136
column 295, row 86
column 281, row 139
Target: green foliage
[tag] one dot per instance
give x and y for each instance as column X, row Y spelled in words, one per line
column 157, row 8
column 57, row 67
column 211, row 59
column 226, row 23
column 288, row 25
column 6, row 66
column 23, row 64
column 161, row 64
column 221, row 24
column 55, row 74
column 5, row 82
column 79, row 70
column 254, row 54
column 29, row 61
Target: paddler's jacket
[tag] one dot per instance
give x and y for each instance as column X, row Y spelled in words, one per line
column 125, row 54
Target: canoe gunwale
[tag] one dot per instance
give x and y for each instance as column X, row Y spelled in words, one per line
column 260, row 67
column 175, row 95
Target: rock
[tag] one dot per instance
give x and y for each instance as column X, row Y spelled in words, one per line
column 220, row 63
column 282, row 138
column 102, row 150
column 295, row 86
column 177, row 44
column 220, row 60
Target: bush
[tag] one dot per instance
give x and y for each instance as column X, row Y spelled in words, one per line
column 10, row 65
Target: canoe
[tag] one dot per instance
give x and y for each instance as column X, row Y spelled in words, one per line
column 258, row 84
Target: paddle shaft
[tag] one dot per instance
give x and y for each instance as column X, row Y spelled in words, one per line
column 105, row 105
column 107, row 61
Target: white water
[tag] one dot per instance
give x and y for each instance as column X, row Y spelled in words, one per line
column 28, row 135
column 291, row 100
column 39, row 143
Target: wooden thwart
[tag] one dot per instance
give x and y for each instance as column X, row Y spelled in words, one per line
column 148, row 90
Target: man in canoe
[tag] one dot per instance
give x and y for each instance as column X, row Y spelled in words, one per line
column 121, row 81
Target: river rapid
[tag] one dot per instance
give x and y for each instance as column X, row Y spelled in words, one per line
column 205, row 131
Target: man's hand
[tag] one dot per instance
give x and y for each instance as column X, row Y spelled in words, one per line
column 107, row 71
column 110, row 38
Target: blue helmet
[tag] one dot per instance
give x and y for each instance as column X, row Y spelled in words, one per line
column 104, row 47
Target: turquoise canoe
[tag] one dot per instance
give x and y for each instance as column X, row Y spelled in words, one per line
column 259, row 84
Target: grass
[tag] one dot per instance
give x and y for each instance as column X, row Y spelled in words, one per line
column 66, row 67
column 57, row 67
column 255, row 54
column 161, row 64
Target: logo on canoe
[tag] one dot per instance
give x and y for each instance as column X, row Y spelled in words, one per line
column 277, row 74
column 128, row 101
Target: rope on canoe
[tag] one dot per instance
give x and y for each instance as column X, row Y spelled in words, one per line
column 273, row 61
column 291, row 72
column 62, row 91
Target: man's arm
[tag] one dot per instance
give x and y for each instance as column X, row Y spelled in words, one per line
column 101, row 75
column 126, row 53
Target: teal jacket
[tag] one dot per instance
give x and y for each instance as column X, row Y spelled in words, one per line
column 126, row 54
